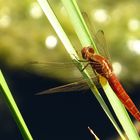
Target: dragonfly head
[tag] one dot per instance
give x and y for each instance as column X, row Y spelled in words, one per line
column 85, row 52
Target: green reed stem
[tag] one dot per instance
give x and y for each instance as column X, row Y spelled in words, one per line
column 86, row 40
column 4, row 90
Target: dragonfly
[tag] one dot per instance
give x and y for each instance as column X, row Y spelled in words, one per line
column 101, row 65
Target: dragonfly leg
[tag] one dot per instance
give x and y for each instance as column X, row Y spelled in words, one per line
column 82, row 61
column 85, row 67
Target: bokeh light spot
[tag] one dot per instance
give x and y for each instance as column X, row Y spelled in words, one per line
column 100, row 15
column 134, row 45
column 5, row 21
column 51, row 42
column 133, row 24
column 35, row 10
column 117, row 68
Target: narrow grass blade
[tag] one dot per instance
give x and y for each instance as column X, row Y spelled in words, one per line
column 67, row 44
column 57, row 27
column 86, row 40
column 81, row 28
column 4, row 90
column 91, row 131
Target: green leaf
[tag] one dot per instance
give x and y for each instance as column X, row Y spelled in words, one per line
column 4, row 90
column 86, row 40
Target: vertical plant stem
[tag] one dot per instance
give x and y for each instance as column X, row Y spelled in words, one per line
column 4, row 90
column 57, row 27
column 67, row 44
column 85, row 39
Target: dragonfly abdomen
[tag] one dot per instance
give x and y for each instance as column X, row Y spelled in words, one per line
column 123, row 96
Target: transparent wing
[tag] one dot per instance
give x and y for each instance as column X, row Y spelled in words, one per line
column 99, row 38
column 101, row 44
column 55, row 65
column 65, row 71
column 80, row 85
column 75, row 86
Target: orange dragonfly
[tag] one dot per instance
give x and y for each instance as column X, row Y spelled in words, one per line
column 102, row 66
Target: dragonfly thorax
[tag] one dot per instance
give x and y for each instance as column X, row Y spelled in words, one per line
column 101, row 65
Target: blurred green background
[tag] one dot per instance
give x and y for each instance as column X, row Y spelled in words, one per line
column 26, row 36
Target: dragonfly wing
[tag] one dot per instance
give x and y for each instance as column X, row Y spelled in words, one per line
column 89, row 24
column 75, row 86
column 65, row 70
column 98, row 37
column 101, row 44
column 48, row 64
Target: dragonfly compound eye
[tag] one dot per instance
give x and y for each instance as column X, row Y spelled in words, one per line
column 91, row 50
